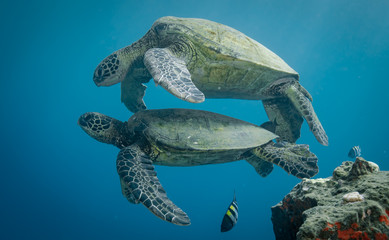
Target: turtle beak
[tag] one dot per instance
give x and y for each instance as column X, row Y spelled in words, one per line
column 107, row 80
column 98, row 77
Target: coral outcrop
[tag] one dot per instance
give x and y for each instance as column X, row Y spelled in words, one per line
column 352, row 204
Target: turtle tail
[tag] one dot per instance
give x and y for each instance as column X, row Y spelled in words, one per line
column 296, row 159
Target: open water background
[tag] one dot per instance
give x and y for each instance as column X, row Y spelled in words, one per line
column 58, row 183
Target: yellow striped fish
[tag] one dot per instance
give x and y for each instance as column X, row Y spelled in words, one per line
column 231, row 216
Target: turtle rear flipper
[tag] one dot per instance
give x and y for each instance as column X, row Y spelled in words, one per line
column 286, row 120
column 132, row 94
column 172, row 74
column 282, row 112
column 136, row 171
column 263, row 168
column 296, row 159
column 298, row 96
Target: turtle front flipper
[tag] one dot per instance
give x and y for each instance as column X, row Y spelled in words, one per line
column 136, row 170
column 172, row 74
column 295, row 159
column 285, row 119
column 126, row 191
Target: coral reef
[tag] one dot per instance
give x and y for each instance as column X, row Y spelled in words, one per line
column 353, row 197
column 352, row 204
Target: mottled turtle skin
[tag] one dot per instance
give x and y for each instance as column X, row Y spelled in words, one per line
column 182, row 137
column 196, row 58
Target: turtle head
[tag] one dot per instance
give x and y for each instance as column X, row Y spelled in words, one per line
column 105, row 129
column 114, row 68
column 111, row 70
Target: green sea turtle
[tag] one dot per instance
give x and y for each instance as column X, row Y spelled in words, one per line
column 181, row 137
column 197, row 58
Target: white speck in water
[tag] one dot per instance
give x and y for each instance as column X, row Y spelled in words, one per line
column 195, row 143
column 219, row 88
column 189, row 137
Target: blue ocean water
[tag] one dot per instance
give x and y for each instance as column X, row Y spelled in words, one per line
column 58, row 183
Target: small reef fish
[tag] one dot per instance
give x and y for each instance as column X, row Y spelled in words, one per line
column 231, row 216
column 354, row 152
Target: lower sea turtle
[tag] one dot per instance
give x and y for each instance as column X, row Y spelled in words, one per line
column 181, row 137
column 196, row 58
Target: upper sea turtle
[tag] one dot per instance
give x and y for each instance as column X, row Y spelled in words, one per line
column 196, row 58
column 181, row 137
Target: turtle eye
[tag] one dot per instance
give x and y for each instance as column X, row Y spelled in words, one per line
column 160, row 27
